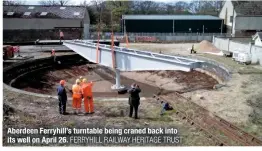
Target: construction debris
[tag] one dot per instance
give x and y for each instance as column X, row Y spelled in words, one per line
column 207, row 47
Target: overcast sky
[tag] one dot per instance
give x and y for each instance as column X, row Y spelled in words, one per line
column 77, row 2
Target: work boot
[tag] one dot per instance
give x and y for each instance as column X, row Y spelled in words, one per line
column 79, row 112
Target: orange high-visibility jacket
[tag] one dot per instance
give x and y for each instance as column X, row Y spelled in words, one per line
column 61, row 34
column 53, row 52
column 77, row 93
column 81, row 84
column 87, row 89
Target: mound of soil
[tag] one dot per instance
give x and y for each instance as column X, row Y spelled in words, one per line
column 206, row 46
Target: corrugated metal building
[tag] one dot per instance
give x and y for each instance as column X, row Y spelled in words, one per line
column 172, row 23
column 242, row 18
column 44, row 22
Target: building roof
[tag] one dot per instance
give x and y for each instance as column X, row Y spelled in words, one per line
column 247, row 8
column 258, row 35
column 38, row 11
column 169, row 17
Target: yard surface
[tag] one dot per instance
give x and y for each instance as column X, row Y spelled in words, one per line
column 239, row 102
column 34, row 112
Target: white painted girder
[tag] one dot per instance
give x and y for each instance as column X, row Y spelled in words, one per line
column 130, row 59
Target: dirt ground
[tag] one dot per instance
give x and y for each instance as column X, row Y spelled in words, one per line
column 239, row 102
column 181, row 48
column 178, row 81
column 33, row 112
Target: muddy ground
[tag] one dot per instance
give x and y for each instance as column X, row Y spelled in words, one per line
column 239, row 102
column 33, row 112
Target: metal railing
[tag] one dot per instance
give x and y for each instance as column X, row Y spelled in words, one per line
column 160, row 34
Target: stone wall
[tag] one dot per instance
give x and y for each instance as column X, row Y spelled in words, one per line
column 219, row 72
column 15, row 70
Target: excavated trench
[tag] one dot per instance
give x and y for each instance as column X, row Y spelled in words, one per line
column 43, row 75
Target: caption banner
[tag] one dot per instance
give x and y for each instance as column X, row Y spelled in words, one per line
column 93, row 136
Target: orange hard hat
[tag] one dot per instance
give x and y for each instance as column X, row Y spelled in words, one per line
column 62, row 82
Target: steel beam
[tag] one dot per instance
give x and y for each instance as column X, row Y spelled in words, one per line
column 118, row 85
column 130, row 59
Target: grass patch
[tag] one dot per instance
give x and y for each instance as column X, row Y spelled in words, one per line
column 249, row 70
column 70, row 124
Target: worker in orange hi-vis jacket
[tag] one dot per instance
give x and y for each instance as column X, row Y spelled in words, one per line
column 88, row 96
column 61, row 35
column 53, row 54
column 77, row 97
column 81, row 80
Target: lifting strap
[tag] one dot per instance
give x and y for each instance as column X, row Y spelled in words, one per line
column 113, row 49
column 112, row 43
column 98, row 38
column 97, row 45
column 127, row 43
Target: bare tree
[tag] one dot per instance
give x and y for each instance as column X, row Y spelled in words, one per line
column 54, row 2
column 84, row 3
column 64, row 2
column 145, row 7
column 205, row 7
column 10, row 2
column 99, row 5
column 101, row 11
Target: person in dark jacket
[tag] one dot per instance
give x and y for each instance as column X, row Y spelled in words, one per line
column 134, row 99
column 62, row 97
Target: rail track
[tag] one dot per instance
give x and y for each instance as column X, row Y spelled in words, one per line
column 223, row 132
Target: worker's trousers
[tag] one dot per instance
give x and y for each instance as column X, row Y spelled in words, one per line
column 76, row 104
column 62, row 105
column 89, row 104
column 131, row 110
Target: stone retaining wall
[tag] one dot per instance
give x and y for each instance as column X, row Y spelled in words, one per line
column 218, row 72
column 13, row 71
